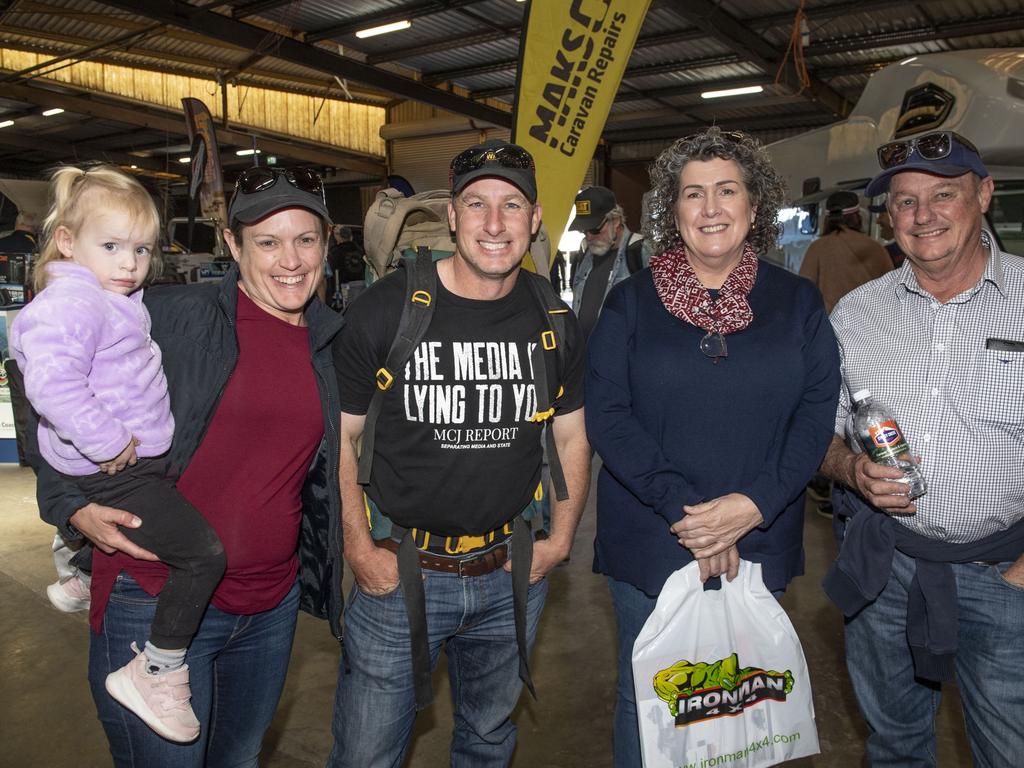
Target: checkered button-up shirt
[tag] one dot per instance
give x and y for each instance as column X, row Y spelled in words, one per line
column 957, row 395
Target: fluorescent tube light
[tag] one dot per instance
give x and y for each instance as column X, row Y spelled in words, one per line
column 51, row 112
column 732, row 92
column 383, row 29
column 244, row 152
column 6, row 124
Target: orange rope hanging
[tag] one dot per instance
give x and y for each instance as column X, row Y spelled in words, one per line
column 796, row 48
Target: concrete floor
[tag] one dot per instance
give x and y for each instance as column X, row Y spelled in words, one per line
column 47, row 717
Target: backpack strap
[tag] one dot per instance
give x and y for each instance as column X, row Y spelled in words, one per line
column 417, row 310
column 548, row 360
column 635, row 256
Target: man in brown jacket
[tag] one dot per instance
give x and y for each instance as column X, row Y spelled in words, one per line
column 843, row 258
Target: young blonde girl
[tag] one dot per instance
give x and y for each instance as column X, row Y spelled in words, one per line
column 94, row 376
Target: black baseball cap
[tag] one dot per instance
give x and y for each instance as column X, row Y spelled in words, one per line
column 259, row 192
column 593, row 204
column 496, row 158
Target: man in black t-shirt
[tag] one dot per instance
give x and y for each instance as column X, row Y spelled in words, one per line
column 456, row 460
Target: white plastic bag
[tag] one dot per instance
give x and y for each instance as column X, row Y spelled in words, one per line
column 720, row 677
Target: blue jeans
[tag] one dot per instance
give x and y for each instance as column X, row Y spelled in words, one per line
column 237, row 667
column 374, row 707
column 632, row 609
column 900, row 710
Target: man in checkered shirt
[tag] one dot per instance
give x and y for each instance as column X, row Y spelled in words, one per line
column 934, row 589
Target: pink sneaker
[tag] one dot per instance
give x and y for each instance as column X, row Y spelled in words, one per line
column 69, row 596
column 162, row 701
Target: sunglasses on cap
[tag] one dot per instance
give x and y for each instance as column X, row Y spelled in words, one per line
column 931, row 146
column 596, row 230
column 507, row 156
column 255, row 180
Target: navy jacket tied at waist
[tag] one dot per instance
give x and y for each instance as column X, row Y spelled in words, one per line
column 864, row 566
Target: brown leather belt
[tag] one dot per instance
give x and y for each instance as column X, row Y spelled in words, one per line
column 480, row 565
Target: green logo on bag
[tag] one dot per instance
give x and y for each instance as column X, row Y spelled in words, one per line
column 700, row 691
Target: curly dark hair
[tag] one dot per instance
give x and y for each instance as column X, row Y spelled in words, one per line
column 764, row 185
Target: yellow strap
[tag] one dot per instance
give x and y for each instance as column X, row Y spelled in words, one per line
column 369, row 518
column 384, row 379
column 540, row 416
column 539, row 493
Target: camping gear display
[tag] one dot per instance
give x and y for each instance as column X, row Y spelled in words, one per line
column 720, row 677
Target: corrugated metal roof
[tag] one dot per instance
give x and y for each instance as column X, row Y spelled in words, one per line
column 476, row 43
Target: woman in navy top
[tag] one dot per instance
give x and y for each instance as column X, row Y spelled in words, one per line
column 711, row 391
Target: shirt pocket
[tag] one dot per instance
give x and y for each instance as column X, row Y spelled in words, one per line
column 998, row 391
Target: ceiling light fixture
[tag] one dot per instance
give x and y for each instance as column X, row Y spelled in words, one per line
column 184, row 159
column 244, row 152
column 6, row 124
column 383, row 29
column 907, row 61
column 732, row 92
column 52, row 112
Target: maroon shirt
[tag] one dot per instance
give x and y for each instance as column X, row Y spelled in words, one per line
column 246, row 476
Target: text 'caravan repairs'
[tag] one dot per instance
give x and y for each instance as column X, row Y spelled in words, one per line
column 587, row 49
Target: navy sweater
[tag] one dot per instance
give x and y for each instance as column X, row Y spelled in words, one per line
column 673, row 427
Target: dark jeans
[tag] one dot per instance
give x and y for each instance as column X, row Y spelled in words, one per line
column 237, row 667
column 173, row 530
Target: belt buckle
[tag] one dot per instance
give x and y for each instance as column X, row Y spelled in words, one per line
column 461, row 562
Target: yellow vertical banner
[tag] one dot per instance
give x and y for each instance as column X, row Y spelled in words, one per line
column 571, row 58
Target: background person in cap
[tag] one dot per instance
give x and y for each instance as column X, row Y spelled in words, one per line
column 456, row 461
column 935, row 587
column 843, row 258
column 253, row 396
column 611, row 254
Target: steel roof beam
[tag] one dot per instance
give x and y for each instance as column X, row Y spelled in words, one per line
column 174, row 123
column 985, row 26
column 241, row 10
column 223, row 28
column 675, row 130
column 81, row 151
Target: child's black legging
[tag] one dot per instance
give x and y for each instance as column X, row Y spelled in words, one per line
column 173, row 530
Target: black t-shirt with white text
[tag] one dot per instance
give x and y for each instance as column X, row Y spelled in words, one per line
column 455, row 450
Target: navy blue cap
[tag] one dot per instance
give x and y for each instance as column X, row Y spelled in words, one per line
column 960, row 160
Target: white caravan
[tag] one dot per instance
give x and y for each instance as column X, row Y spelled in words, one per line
column 979, row 94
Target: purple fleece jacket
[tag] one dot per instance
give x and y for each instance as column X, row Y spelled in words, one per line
column 92, row 372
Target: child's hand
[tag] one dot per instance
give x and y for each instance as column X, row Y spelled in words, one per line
column 125, row 458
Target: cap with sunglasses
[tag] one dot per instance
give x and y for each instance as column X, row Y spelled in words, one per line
column 494, row 158
column 593, row 205
column 942, row 153
column 260, row 192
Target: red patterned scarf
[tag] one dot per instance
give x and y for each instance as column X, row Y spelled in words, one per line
column 683, row 295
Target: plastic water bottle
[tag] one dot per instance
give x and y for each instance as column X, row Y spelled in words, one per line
column 883, row 441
